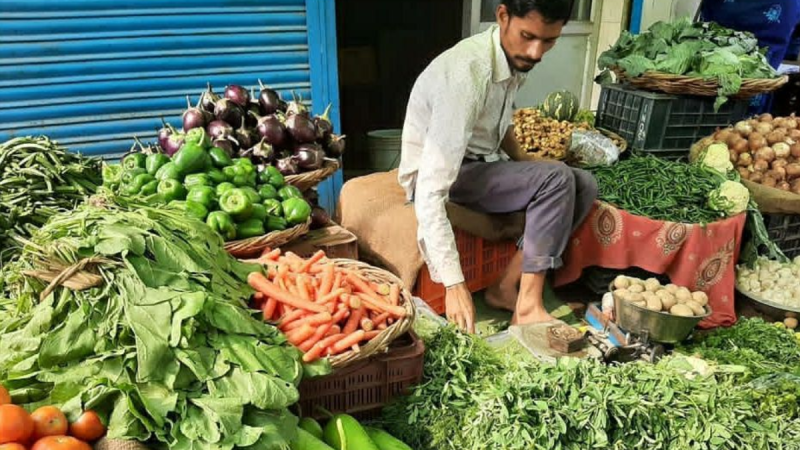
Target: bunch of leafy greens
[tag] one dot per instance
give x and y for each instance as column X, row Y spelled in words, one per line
column 164, row 348
column 473, row 398
column 705, row 50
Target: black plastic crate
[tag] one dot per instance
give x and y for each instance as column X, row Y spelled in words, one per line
column 597, row 279
column 665, row 125
column 784, row 231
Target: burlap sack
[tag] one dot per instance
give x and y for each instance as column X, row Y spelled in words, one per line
column 374, row 208
column 772, row 200
column 116, row 444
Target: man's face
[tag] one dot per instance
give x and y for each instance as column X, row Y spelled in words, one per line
column 526, row 39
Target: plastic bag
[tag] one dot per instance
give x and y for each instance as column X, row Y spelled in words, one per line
column 592, row 148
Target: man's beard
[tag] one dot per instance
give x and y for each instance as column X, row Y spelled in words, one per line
column 522, row 64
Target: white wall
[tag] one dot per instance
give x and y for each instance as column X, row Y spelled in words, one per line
column 666, row 10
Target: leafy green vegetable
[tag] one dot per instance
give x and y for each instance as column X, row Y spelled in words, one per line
column 164, row 349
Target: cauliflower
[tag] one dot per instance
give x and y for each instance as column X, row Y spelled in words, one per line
column 717, row 157
column 730, row 198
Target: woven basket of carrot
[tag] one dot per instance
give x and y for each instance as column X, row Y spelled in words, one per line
column 340, row 309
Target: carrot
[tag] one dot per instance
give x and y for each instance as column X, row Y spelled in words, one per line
column 367, row 325
column 290, row 317
column 370, row 303
column 313, row 260
column 340, row 315
column 316, row 320
column 296, row 337
column 348, row 341
column 316, row 337
column 382, row 326
column 327, row 280
column 394, row 294
column 353, row 301
column 335, row 329
column 268, row 308
column 302, row 287
column 361, row 285
column 382, row 289
column 355, row 348
column 353, row 321
column 342, row 307
column 330, row 340
column 370, row 335
column 330, row 296
column 380, row 318
column 271, row 255
column 261, row 284
column 337, row 280
column 313, row 354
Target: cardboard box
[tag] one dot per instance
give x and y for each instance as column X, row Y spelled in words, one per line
column 335, row 241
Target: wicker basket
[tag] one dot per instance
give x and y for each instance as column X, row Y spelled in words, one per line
column 380, row 343
column 683, row 85
column 308, row 180
column 246, row 248
column 623, row 144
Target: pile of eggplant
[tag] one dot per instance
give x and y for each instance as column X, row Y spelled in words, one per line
column 266, row 129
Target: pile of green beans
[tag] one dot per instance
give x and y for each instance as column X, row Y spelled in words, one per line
column 39, row 178
column 659, row 189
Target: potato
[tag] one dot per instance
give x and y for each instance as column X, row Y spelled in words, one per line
column 651, row 284
column 622, row 282
column 668, row 302
column 672, row 288
column 681, row 310
column 700, row 298
column 662, row 294
column 654, row 304
column 640, row 304
column 621, row 293
column 697, row 309
column 790, row 322
column 648, row 295
column 683, row 295
column 635, row 298
column 637, row 288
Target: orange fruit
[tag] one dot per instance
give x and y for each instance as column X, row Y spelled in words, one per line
column 16, row 424
column 12, row 446
column 60, row 443
column 5, row 398
column 88, row 427
column 49, row 421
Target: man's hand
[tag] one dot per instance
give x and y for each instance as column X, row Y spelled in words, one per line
column 459, row 307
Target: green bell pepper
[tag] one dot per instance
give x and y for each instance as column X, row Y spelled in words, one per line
column 288, row 192
column 204, row 195
column 197, row 136
column 134, row 161
column 272, row 176
column 244, row 162
column 259, row 212
column 233, row 171
column 171, row 190
column 223, row 188
column 250, row 228
column 216, row 176
column 112, row 175
column 196, row 210
column 273, row 206
column 252, row 194
column 135, row 186
column 190, row 159
column 267, row 191
column 275, row 223
column 222, row 223
column 169, row 171
column 220, row 157
column 236, row 202
column 155, row 162
column 296, row 210
column 196, row 179
column 248, row 180
column 149, row 188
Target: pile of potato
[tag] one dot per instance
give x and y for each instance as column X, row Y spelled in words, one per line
column 650, row 294
column 544, row 137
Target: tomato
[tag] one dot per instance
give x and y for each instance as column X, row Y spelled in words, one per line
column 16, row 424
column 5, row 399
column 13, row 446
column 49, row 421
column 88, row 427
column 60, row 443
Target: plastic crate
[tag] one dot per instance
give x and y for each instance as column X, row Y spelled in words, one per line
column 661, row 124
column 365, row 387
column 597, row 279
column 784, row 230
column 481, row 261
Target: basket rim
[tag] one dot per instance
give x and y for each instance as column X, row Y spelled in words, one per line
column 662, row 81
column 757, row 298
column 257, row 243
column 310, row 179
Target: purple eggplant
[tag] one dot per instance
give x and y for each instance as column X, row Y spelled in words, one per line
column 208, row 99
column 311, row 196
column 237, row 94
column 247, row 137
column 335, row 146
column 164, row 133
column 324, row 125
column 301, row 128
column 228, row 111
column 227, row 143
column 193, row 117
column 272, row 130
column 284, row 153
column 319, row 218
column 287, row 166
column 218, row 129
column 309, row 156
column 269, row 99
column 173, row 143
column 260, row 153
column 296, row 106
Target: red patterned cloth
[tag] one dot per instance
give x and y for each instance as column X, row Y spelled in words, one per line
column 700, row 258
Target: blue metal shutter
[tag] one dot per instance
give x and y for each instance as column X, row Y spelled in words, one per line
column 93, row 74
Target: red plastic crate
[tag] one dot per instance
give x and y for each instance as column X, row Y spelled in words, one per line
column 481, row 261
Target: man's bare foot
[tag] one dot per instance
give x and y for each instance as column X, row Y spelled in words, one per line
column 535, row 316
column 500, row 297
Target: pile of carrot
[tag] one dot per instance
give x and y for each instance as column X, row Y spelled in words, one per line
column 322, row 309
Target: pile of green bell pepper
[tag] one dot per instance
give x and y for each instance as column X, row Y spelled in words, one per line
column 230, row 194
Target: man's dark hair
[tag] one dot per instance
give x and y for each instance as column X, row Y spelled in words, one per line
column 551, row 10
